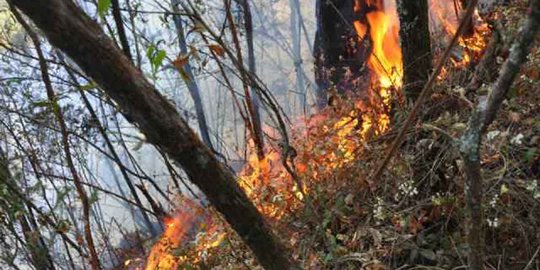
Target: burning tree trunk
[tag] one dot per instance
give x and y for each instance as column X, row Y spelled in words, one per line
column 71, row 30
column 339, row 56
column 415, row 45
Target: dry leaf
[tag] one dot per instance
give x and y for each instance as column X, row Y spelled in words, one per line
column 218, row 50
column 180, row 61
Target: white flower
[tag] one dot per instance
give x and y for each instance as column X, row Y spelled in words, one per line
column 517, row 139
column 493, row 223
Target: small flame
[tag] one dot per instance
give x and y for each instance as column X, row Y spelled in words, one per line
column 191, row 218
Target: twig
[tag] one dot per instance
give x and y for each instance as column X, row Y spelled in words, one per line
column 94, row 258
column 532, row 259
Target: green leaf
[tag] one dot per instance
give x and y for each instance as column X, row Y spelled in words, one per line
column 504, row 189
column 93, row 197
column 89, row 86
column 103, row 6
column 42, row 103
column 158, row 59
column 150, row 52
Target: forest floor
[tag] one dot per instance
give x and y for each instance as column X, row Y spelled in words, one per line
column 414, row 216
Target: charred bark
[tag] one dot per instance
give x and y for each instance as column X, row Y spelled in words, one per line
column 256, row 116
column 339, row 53
column 415, row 45
column 72, row 31
column 469, row 27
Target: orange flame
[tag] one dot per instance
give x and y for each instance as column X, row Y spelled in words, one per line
column 189, row 219
column 327, row 141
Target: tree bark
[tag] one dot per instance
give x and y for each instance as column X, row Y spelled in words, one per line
column 415, row 45
column 192, row 86
column 338, row 50
column 255, row 100
column 72, row 31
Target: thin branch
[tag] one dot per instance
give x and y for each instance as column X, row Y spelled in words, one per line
column 94, row 260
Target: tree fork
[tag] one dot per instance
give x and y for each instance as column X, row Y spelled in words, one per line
column 71, row 30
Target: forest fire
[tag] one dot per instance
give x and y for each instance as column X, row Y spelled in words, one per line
column 328, row 140
column 185, row 227
column 444, row 18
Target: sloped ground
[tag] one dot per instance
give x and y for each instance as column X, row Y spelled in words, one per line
column 414, row 216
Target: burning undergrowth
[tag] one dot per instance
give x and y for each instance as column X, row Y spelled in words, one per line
column 410, row 216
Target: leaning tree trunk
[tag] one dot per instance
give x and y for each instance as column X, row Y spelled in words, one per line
column 71, row 30
column 481, row 118
column 192, row 86
column 415, row 45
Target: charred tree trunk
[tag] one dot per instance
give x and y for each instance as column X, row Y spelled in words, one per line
column 339, row 53
column 71, row 30
column 415, row 45
column 192, row 86
column 469, row 28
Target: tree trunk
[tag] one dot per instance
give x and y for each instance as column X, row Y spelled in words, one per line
column 415, row 45
column 296, row 31
column 248, row 25
column 469, row 28
column 72, row 31
column 192, row 86
column 483, row 115
column 340, row 52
